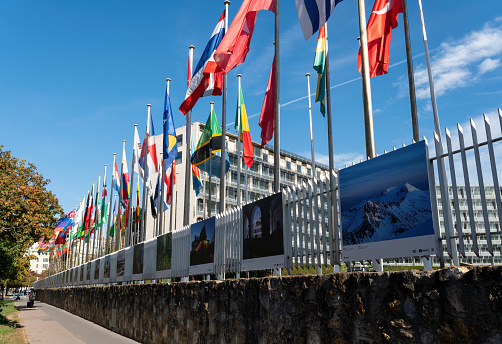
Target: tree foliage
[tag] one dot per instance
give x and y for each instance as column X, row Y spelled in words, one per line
column 27, row 212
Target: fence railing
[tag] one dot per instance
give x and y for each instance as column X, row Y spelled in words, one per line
column 312, row 231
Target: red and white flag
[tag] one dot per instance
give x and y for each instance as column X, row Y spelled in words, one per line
column 267, row 111
column 383, row 19
column 234, row 47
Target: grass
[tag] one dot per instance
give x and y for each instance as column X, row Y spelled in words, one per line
column 11, row 330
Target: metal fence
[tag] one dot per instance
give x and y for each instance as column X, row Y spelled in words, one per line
column 466, row 210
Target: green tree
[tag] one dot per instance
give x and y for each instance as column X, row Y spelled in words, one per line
column 27, row 212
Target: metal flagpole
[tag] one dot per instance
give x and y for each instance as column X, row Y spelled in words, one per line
column 90, row 229
column 443, row 179
column 277, row 108
column 118, row 241
column 163, row 171
column 210, row 202
column 335, row 260
column 239, row 76
column 115, row 215
column 188, row 188
column 110, row 209
column 102, row 216
column 223, row 127
column 160, row 201
column 129, row 212
column 93, row 253
column 146, row 172
column 171, row 210
column 368, row 107
column 246, row 184
column 411, row 80
column 310, row 120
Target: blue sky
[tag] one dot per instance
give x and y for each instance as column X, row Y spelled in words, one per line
column 76, row 76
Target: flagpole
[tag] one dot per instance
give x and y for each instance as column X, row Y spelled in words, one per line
column 138, row 224
column 118, row 234
column 96, row 211
column 163, row 171
column 115, row 222
column 145, row 167
column 210, row 161
column 160, row 201
column 310, row 117
column 439, row 146
column 223, row 127
column 102, row 215
column 129, row 212
column 173, row 175
column 368, row 107
column 411, row 80
column 334, row 210
column 90, row 229
column 239, row 76
column 186, row 208
column 277, row 108
column 110, row 210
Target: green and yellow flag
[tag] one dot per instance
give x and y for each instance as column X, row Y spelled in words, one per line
column 320, row 68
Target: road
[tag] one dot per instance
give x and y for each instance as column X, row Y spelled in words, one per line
column 45, row 324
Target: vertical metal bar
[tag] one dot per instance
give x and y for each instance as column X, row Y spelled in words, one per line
column 331, row 218
column 310, row 198
column 287, row 227
column 316, row 222
column 455, row 194
column 493, row 164
column 305, row 225
column 322, row 189
column 223, row 127
column 239, row 148
column 411, row 80
column 434, row 206
column 188, row 166
column 470, row 204
column 277, row 105
column 310, row 122
column 295, row 226
column 336, row 219
column 481, row 187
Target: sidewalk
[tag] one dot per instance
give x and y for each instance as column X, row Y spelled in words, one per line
column 45, row 324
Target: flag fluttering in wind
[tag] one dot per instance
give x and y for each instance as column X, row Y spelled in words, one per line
column 242, row 125
column 113, row 220
column 170, row 146
column 125, row 179
column 196, row 179
column 320, row 68
column 267, row 111
column 206, row 79
column 152, row 164
column 115, row 176
column 234, row 47
column 210, row 140
column 168, row 192
column 313, row 14
column 137, row 213
column 138, row 168
column 383, row 19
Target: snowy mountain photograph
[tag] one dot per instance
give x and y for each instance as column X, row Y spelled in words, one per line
column 386, row 198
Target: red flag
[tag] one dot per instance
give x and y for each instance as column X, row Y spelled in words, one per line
column 234, row 46
column 168, row 191
column 267, row 111
column 383, row 19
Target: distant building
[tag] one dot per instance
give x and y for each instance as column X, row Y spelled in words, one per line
column 41, row 262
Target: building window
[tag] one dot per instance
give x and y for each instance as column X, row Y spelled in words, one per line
column 200, row 205
column 179, row 139
column 257, row 151
column 234, row 177
column 309, row 171
column 179, row 157
column 233, row 160
column 46, row 260
column 44, row 266
column 254, row 167
column 299, row 168
column 288, row 165
column 265, row 157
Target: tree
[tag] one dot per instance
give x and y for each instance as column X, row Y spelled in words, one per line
column 27, row 212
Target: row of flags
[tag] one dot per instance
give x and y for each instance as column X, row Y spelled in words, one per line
column 223, row 52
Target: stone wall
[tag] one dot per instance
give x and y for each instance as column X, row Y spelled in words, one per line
column 453, row 305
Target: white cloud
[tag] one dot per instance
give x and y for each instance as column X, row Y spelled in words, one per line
column 488, row 65
column 460, row 63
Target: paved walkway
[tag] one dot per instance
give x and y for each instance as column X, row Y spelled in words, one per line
column 45, row 324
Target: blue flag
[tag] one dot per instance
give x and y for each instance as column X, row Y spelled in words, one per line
column 170, row 148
